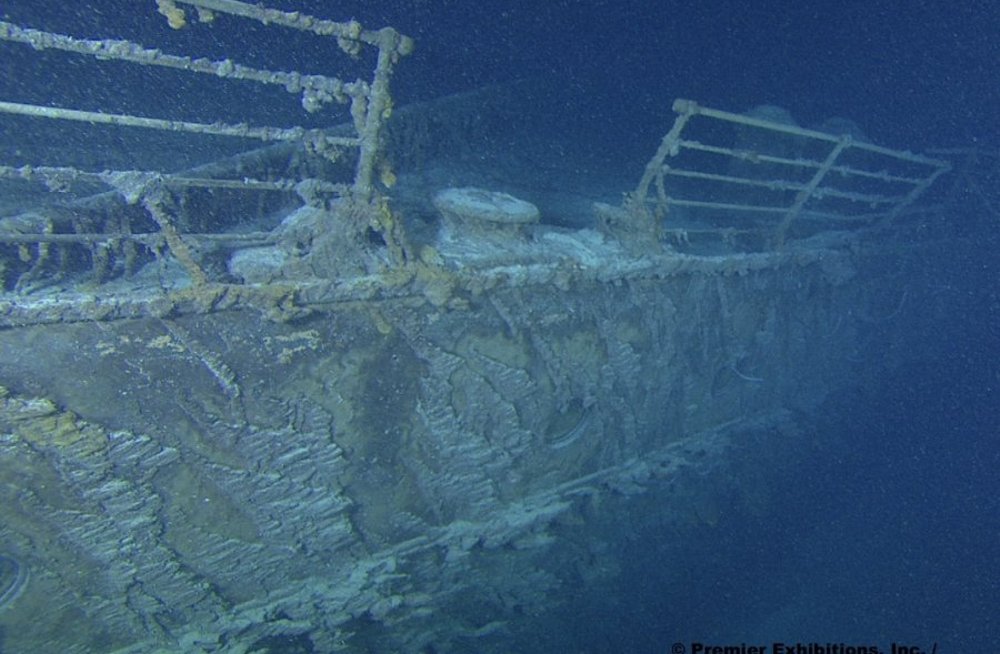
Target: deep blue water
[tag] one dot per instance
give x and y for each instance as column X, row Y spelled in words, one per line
column 898, row 535
column 912, row 74
column 896, row 538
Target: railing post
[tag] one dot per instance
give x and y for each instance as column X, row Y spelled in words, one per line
column 379, row 107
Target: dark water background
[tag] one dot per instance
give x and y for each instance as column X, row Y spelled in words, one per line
column 911, row 74
column 895, row 535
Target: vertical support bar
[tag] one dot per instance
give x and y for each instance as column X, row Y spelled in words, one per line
column 669, row 147
column 804, row 195
column 391, row 45
column 154, row 200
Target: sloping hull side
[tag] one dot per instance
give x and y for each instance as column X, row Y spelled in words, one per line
column 219, row 480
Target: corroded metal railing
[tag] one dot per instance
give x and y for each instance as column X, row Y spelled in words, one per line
column 833, row 177
column 368, row 105
column 370, row 102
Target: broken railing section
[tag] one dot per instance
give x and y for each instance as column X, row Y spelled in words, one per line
column 723, row 172
column 368, row 104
